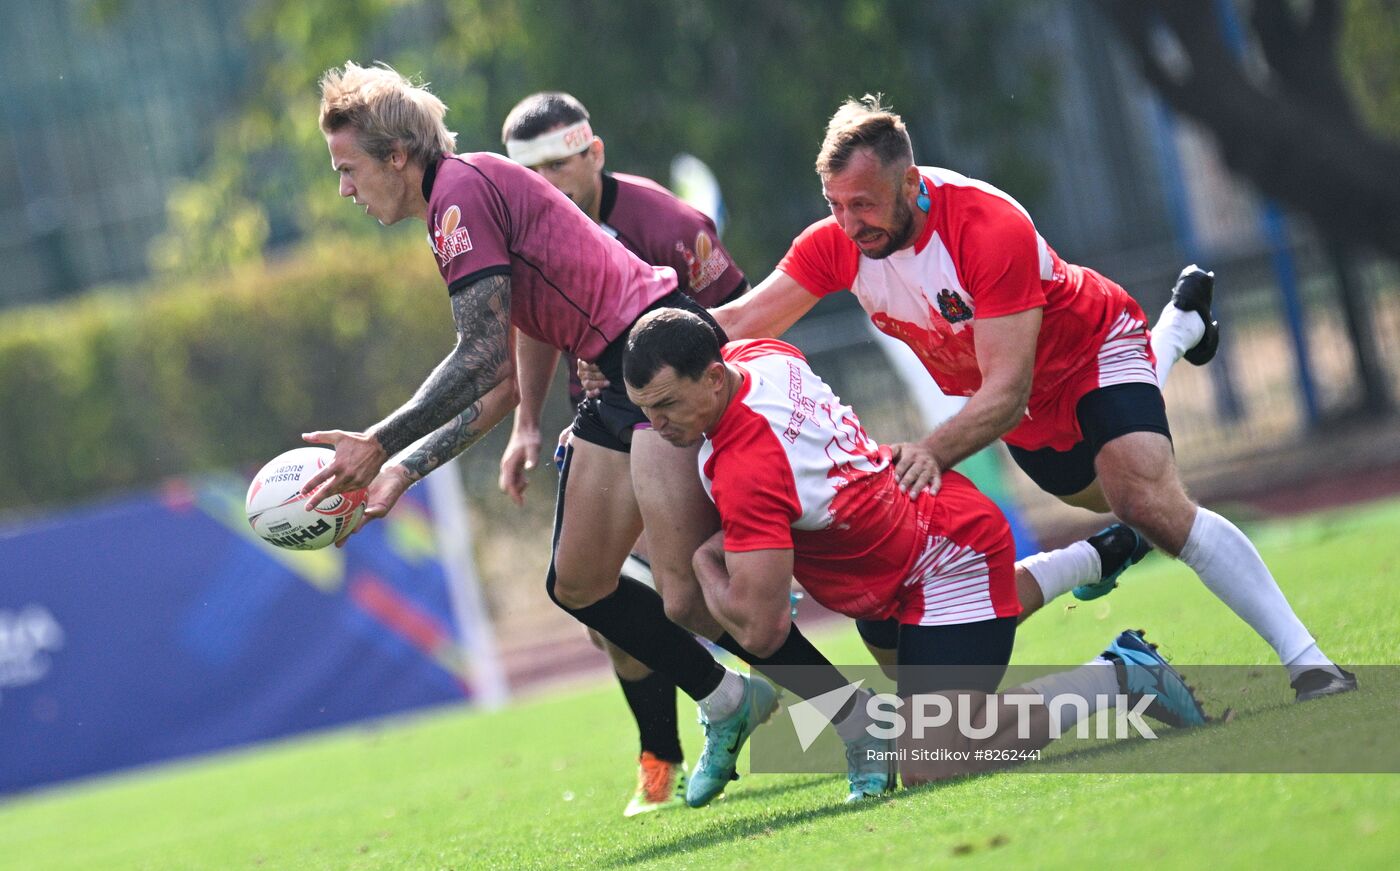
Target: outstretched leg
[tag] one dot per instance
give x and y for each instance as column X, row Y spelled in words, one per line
column 1139, row 478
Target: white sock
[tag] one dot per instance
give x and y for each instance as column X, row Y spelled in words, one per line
column 1232, row 569
column 726, row 698
column 1060, row 571
column 1176, row 332
column 852, row 727
column 1096, row 681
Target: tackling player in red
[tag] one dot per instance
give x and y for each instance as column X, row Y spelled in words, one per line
column 803, row 492
column 1055, row 359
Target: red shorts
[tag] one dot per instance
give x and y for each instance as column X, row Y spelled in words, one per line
column 1123, row 356
column 966, row 571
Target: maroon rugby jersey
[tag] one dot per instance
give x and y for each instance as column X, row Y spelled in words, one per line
column 572, row 285
column 664, row 230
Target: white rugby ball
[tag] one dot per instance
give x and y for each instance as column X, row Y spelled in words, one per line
column 277, row 510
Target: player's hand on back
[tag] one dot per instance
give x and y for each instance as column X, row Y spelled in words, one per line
column 383, row 494
column 591, row 377
column 916, row 468
column 358, row 459
column 521, row 455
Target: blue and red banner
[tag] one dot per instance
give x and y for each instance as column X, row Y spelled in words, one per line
column 158, row 626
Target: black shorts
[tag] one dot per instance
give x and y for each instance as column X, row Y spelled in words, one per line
column 608, row 419
column 1104, row 415
column 576, row 387
column 958, row 656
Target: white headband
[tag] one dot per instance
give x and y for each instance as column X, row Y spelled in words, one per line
column 554, row 145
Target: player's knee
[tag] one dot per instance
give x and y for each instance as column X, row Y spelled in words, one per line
column 573, row 592
column 685, row 609
column 1163, row 515
column 1136, row 506
column 763, row 637
column 762, row 642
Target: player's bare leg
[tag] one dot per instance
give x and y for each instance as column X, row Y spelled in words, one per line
column 600, row 521
column 597, row 523
column 680, row 517
column 1138, row 475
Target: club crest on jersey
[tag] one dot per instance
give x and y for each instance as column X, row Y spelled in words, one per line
column 953, row 307
column 705, row 263
column 449, row 237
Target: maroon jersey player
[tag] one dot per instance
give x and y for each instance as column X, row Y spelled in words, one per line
column 518, row 257
column 551, row 133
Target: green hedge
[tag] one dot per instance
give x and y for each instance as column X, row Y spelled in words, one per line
column 124, row 388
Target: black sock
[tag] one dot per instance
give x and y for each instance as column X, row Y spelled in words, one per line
column 653, row 703
column 633, row 619
column 816, row 676
column 1118, row 546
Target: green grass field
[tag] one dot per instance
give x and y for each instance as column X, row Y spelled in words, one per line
column 542, row 783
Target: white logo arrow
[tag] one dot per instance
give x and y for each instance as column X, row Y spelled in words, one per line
column 810, row 717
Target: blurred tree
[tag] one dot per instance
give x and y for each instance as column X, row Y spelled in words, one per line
column 1281, row 104
column 1282, row 111
column 746, row 86
column 1371, row 61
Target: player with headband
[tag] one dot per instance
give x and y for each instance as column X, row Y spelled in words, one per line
column 550, row 133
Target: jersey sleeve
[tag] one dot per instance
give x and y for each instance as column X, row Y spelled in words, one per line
column 468, row 222
column 691, row 246
column 753, row 488
column 999, row 260
column 822, row 259
column 714, row 287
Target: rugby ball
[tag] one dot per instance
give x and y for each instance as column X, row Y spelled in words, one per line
column 277, row 510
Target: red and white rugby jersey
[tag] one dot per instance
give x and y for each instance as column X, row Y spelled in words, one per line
column 572, row 285
column 789, row 466
column 978, row 257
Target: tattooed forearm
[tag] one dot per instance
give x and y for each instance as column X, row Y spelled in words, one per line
column 479, row 362
column 448, row 441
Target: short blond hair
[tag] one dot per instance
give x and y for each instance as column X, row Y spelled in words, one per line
column 386, row 110
column 864, row 123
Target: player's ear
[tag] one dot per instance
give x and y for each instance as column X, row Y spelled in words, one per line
column 910, row 180
column 595, row 152
column 398, row 158
column 714, row 374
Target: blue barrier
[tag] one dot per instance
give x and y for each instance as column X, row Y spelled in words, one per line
column 158, row 626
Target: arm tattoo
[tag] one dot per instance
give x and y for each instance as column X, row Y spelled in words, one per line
column 479, row 362
column 448, row 441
